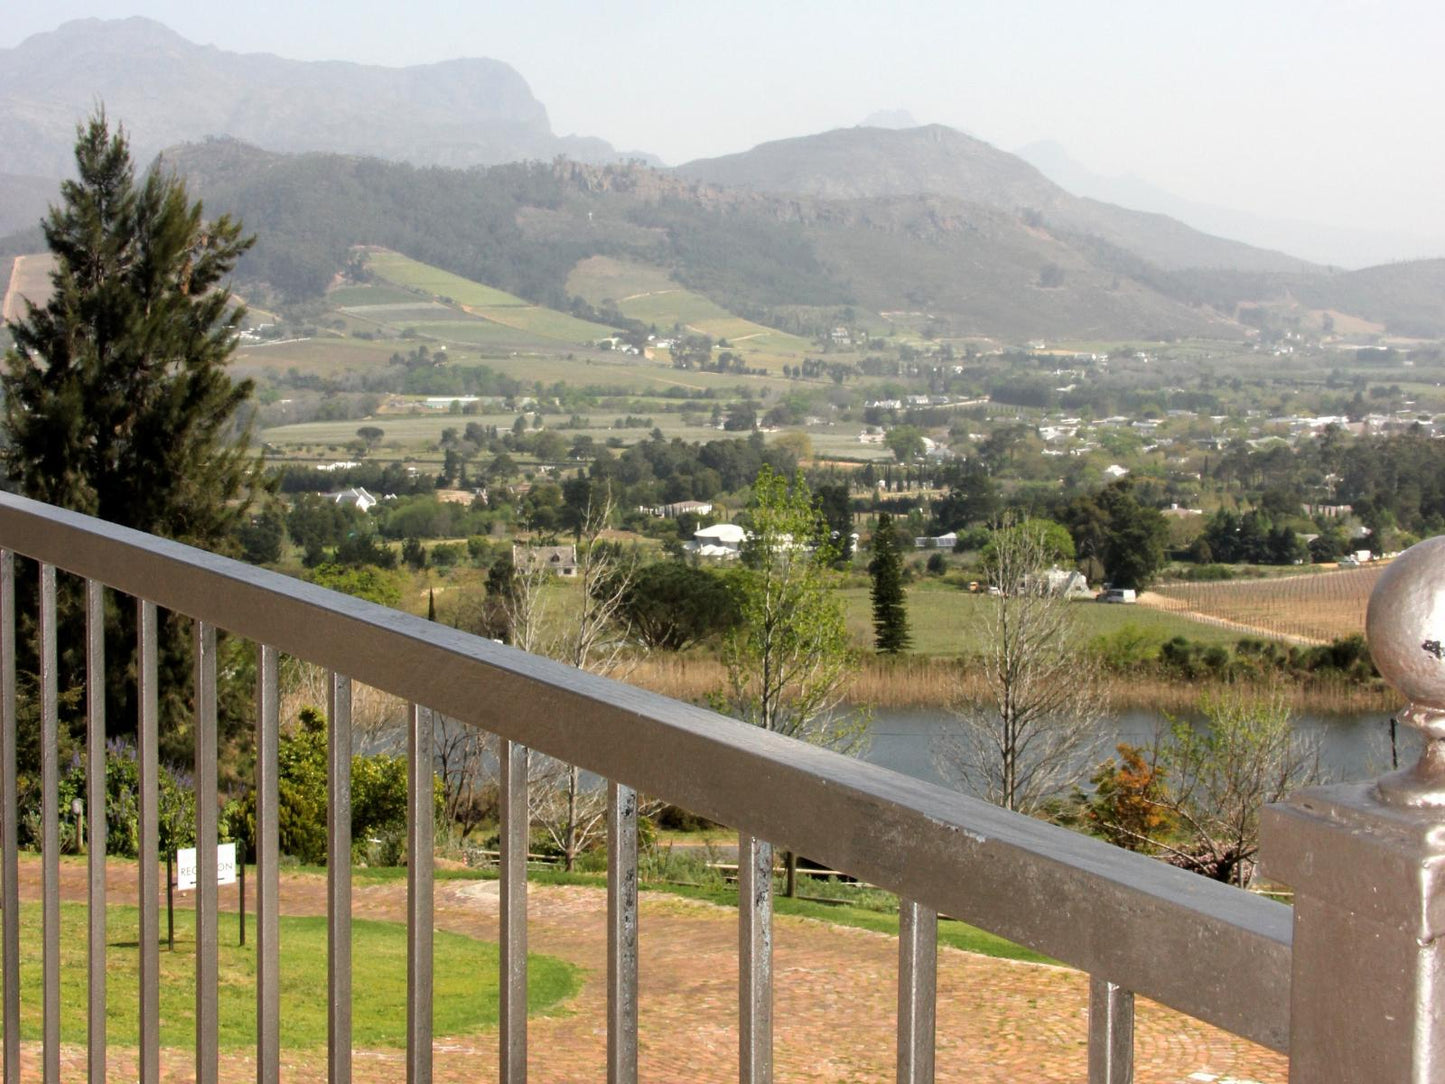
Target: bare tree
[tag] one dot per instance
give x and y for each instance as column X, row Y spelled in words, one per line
column 466, row 758
column 1041, row 720
column 377, row 717
column 595, row 637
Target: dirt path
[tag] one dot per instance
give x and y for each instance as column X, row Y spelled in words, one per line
column 1178, row 606
column 834, row 1008
column 10, row 301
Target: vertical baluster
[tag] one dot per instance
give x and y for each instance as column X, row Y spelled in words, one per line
column 338, row 880
column 621, row 934
column 149, row 936
column 755, row 960
column 1111, row 1033
column 420, row 822
column 207, row 944
column 95, row 809
column 268, row 877
column 515, row 825
column 9, row 836
column 50, row 828
column 917, row 990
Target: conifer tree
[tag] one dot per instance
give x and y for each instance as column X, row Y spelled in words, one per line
column 117, row 399
column 890, row 612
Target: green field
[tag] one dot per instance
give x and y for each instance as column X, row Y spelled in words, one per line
column 465, row 991
column 649, row 294
column 348, row 296
column 410, row 434
column 947, row 620
column 484, row 301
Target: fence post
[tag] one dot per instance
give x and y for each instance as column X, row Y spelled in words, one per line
column 1367, row 865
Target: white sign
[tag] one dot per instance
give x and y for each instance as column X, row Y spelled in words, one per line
column 186, row 866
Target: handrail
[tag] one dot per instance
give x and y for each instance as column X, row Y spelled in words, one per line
column 1206, row 949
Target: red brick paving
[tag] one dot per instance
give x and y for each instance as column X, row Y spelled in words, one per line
column 998, row 1020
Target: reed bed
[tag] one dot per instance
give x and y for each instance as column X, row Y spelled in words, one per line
column 932, row 682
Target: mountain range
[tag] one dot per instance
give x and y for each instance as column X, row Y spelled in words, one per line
column 923, row 220
column 168, row 90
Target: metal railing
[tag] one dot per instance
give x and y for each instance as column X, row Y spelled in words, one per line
column 1133, row 924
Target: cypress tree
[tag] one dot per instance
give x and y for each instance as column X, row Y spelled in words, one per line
column 890, row 612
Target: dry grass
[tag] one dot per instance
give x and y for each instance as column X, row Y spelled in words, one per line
column 1315, row 608
column 920, row 682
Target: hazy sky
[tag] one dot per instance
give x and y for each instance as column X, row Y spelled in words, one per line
column 1331, row 111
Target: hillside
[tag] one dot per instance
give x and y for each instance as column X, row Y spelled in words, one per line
column 1407, row 298
column 852, row 163
column 456, row 113
column 24, row 200
column 787, row 263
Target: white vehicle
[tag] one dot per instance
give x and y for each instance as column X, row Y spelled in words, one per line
column 1119, row 594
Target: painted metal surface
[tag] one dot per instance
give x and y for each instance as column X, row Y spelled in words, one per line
column 9, row 835
column 1111, row 1033
column 208, row 1048
column 50, row 831
column 917, row 991
column 338, row 879
column 148, row 755
column 512, row 1030
column 621, row 934
column 95, row 819
column 420, row 818
column 755, row 960
column 268, row 866
column 1208, row 950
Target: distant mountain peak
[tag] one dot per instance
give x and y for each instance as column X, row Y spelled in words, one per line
column 167, row 90
column 889, row 118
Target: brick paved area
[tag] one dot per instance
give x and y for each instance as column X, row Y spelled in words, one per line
column 998, row 1020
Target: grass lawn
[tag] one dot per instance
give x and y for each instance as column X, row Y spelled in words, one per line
column 951, row 932
column 465, row 981
column 946, row 620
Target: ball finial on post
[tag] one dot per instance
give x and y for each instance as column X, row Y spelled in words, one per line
column 1405, row 626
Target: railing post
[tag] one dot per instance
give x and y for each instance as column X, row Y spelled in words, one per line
column 755, row 960
column 338, row 879
column 1367, row 865
column 917, row 991
column 420, row 912
column 95, row 805
column 621, row 934
column 1111, row 1033
column 515, row 829
column 9, row 835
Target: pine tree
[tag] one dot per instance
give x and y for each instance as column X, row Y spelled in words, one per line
column 117, row 399
column 890, row 612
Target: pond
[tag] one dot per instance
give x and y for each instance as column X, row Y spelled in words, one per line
column 1352, row 747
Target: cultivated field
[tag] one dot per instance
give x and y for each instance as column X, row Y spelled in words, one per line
column 650, row 295
column 29, row 281
column 1313, row 608
column 484, row 301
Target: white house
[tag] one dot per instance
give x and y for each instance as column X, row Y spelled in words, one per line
column 357, row 496
column 940, row 542
column 723, row 541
